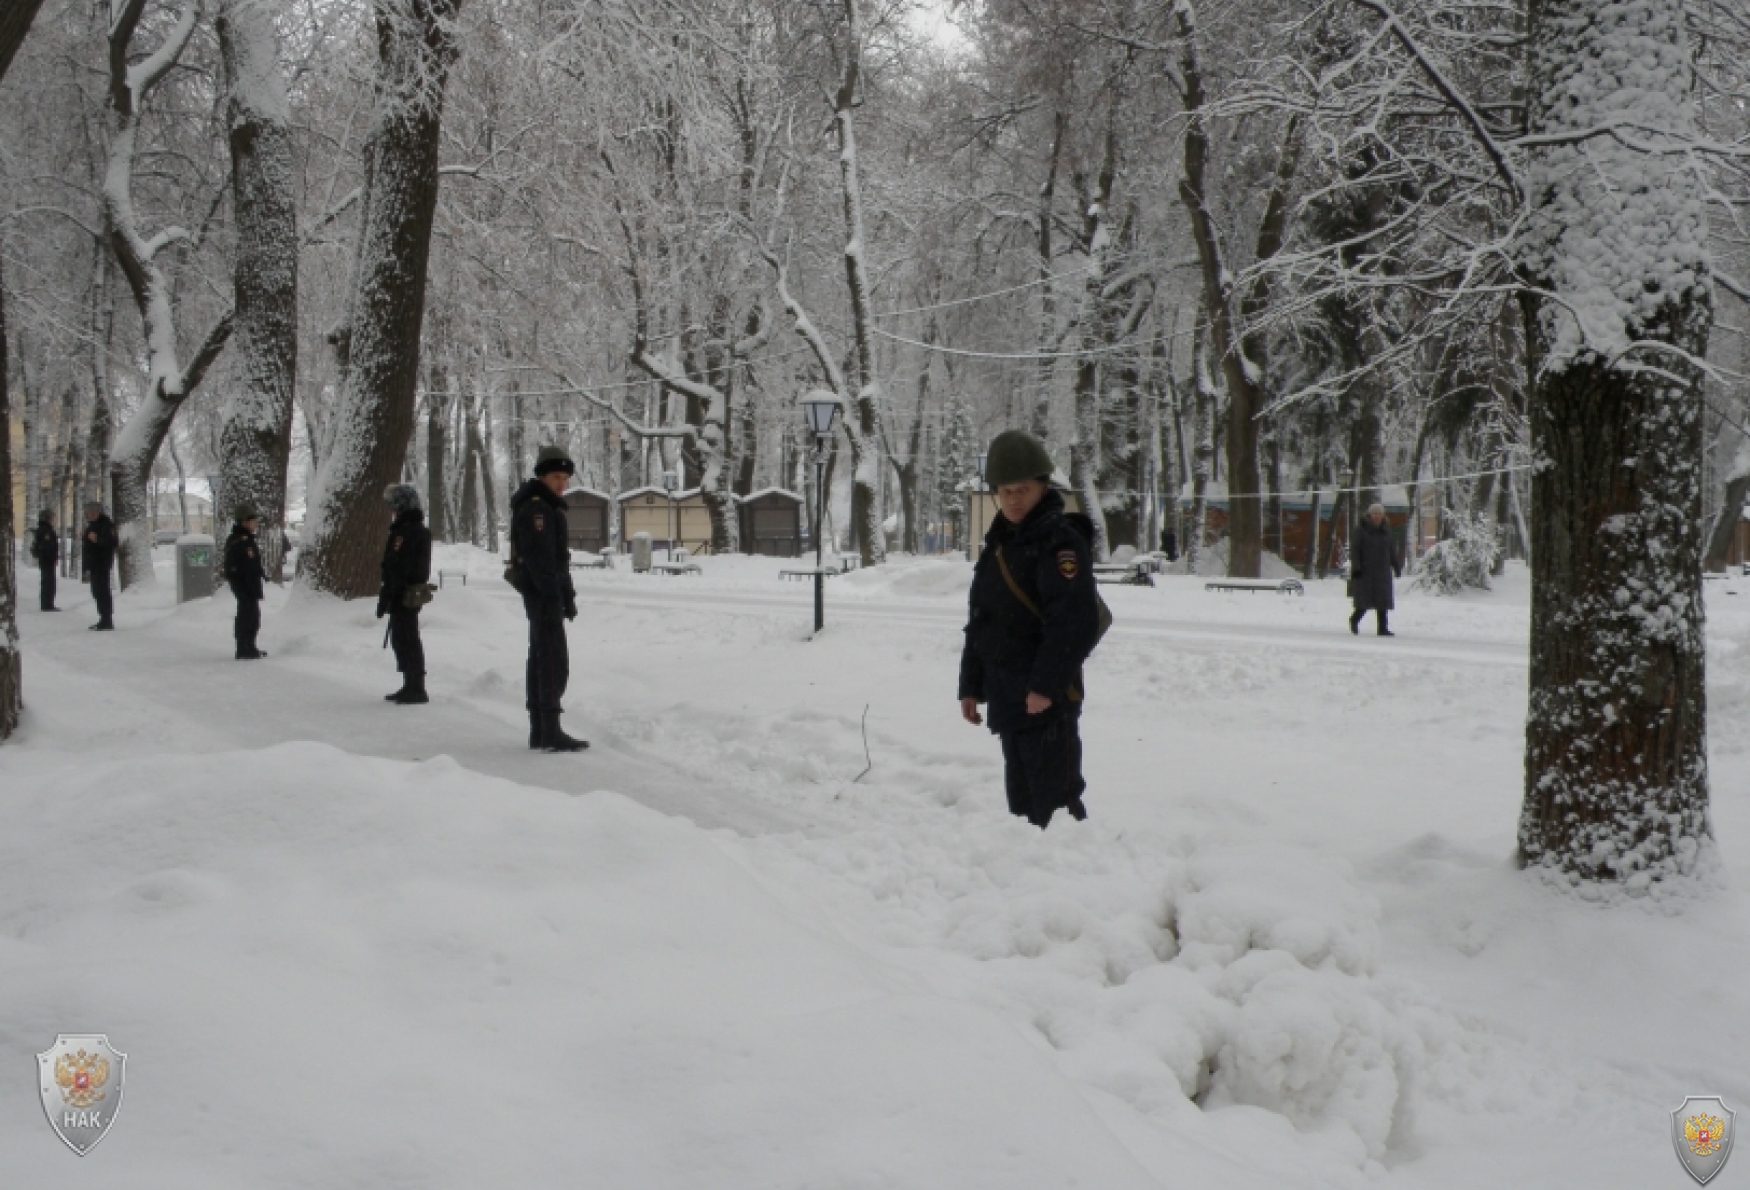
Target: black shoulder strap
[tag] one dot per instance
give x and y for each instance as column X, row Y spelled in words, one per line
column 1015, row 587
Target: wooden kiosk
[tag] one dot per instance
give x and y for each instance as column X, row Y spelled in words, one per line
column 586, row 521
column 679, row 523
column 771, row 523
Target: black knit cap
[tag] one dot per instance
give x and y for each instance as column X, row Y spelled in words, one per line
column 552, row 458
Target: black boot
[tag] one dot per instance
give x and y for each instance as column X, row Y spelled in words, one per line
column 414, row 692
column 104, row 625
column 553, row 737
column 537, row 735
column 397, row 695
column 1355, row 624
column 1380, row 622
column 1076, row 810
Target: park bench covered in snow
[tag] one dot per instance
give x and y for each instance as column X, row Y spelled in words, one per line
column 1287, row 586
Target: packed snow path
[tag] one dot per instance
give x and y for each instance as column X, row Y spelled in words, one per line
column 1293, row 904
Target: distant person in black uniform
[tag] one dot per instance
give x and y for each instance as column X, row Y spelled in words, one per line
column 244, row 572
column 541, row 571
column 97, row 549
column 1034, row 619
column 406, row 569
column 45, row 547
column 1374, row 560
column 1170, row 544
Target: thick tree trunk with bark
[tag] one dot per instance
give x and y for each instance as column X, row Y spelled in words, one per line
column 371, row 428
column 1616, row 781
column 255, row 440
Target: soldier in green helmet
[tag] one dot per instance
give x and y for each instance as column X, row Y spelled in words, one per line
column 1034, row 618
column 247, row 578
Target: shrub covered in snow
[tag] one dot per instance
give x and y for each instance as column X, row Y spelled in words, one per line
column 1463, row 559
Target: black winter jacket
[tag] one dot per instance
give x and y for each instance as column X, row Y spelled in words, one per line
column 243, row 570
column 45, row 545
column 1009, row 650
column 537, row 535
column 406, row 559
column 98, row 544
column 1374, row 561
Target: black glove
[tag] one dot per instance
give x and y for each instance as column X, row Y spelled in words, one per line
column 570, row 606
column 382, row 606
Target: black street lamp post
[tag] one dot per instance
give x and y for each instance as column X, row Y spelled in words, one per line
column 669, row 480
column 821, row 409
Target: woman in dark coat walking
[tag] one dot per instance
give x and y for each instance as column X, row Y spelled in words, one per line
column 1374, row 561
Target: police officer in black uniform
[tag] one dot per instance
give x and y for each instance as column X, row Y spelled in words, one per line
column 541, row 570
column 45, row 547
column 1034, row 620
column 406, row 565
column 97, row 549
column 245, row 574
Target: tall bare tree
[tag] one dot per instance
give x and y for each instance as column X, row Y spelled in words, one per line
column 369, row 432
column 168, row 380
column 256, row 437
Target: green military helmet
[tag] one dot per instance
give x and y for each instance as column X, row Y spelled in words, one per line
column 1016, row 456
column 553, row 458
column 246, row 512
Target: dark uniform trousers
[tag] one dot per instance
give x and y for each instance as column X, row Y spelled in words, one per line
column 1042, row 767
column 246, row 625
column 48, row 586
column 100, row 593
column 549, row 667
column 404, row 639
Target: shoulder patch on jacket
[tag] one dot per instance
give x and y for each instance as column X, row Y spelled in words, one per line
column 1067, row 563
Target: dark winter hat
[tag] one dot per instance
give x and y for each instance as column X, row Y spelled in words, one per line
column 1015, row 456
column 246, row 512
column 552, row 458
column 402, row 497
column 94, row 506
column 43, row 517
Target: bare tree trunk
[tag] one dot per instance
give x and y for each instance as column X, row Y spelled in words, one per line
column 11, row 660
column 437, row 451
column 167, row 381
column 255, row 441
column 1202, row 449
column 1041, row 419
column 373, row 424
column 15, row 19
column 1616, row 785
column 1228, row 310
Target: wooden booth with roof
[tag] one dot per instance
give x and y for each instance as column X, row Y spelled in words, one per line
column 982, row 509
column 681, row 523
column 771, row 523
column 587, row 520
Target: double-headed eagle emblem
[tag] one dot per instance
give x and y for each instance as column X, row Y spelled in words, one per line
column 81, row 1077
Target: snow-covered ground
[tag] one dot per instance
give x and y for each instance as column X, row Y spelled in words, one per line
column 348, row 944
